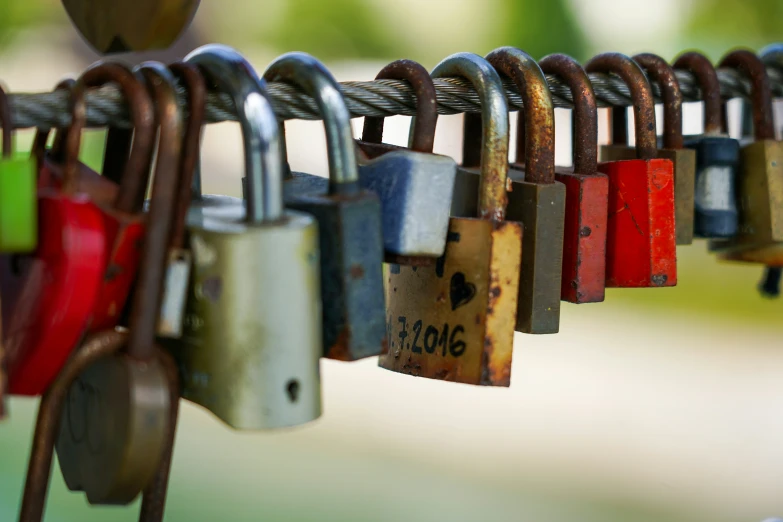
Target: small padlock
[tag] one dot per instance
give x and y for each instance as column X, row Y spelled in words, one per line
column 717, row 157
column 414, row 185
column 349, row 222
column 760, row 183
column 587, row 191
column 18, row 212
column 252, row 336
column 51, row 413
column 640, row 242
column 114, row 429
column 175, row 288
column 48, row 295
column 535, row 198
column 455, row 321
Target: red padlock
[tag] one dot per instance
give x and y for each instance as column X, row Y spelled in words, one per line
column 48, row 296
column 587, row 191
column 640, row 241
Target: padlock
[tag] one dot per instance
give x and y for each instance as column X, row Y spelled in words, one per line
column 760, row 183
column 175, row 288
column 455, row 321
column 49, row 294
column 130, row 25
column 415, row 186
column 252, row 337
column 18, row 213
column 535, row 198
column 115, row 425
column 50, row 416
column 349, row 222
column 640, row 242
column 587, row 190
column 717, row 157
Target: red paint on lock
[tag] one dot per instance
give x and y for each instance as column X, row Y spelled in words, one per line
column 48, row 296
column 640, row 242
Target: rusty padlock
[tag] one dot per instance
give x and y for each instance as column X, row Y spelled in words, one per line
column 535, row 198
column 587, row 191
column 115, row 428
column 455, row 321
column 640, row 243
column 717, row 157
column 760, row 183
column 349, row 222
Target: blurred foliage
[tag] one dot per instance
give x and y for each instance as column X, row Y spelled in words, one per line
column 742, row 23
column 18, row 14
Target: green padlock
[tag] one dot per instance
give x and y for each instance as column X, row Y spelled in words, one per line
column 18, row 199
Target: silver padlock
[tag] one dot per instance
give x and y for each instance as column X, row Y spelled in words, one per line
column 252, row 338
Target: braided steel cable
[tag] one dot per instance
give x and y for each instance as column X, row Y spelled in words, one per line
column 105, row 106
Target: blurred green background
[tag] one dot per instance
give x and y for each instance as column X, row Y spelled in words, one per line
column 656, row 405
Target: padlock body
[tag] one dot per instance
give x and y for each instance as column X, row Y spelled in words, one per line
column 768, row 255
column 113, row 429
column 252, row 332
column 455, row 321
column 48, row 295
column 18, row 212
column 415, row 191
column 760, row 188
column 584, row 236
column 715, row 197
column 684, row 164
column 349, row 226
column 640, row 242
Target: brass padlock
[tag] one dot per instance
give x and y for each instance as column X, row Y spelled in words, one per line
column 130, row 25
column 760, row 183
column 252, row 335
column 51, row 411
column 115, row 426
column 455, row 321
column 535, row 198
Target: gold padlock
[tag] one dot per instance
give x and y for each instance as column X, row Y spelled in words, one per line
column 455, row 321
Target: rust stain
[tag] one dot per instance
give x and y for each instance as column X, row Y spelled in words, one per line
column 339, row 350
column 357, row 271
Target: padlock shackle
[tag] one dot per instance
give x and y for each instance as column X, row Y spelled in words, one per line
column 73, row 139
column 538, row 115
column 38, row 149
column 136, row 169
column 310, row 75
column 232, row 73
column 486, row 81
column 760, row 92
column 662, row 73
column 641, row 95
column 709, row 84
column 7, row 124
column 145, row 307
column 47, row 424
column 422, row 135
column 585, row 113
column 196, row 90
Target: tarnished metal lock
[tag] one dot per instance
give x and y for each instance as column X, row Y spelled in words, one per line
column 18, row 211
column 130, row 25
column 415, row 186
column 349, row 222
column 760, row 182
column 455, row 321
column 50, row 415
column 587, row 191
column 640, row 242
column 252, row 337
column 534, row 198
column 47, row 296
column 717, row 157
column 114, row 429
column 175, row 288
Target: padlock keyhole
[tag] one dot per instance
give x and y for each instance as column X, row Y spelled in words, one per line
column 293, row 390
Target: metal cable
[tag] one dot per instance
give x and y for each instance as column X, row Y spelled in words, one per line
column 105, row 106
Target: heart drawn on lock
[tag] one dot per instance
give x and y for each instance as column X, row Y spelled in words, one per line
column 461, row 291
